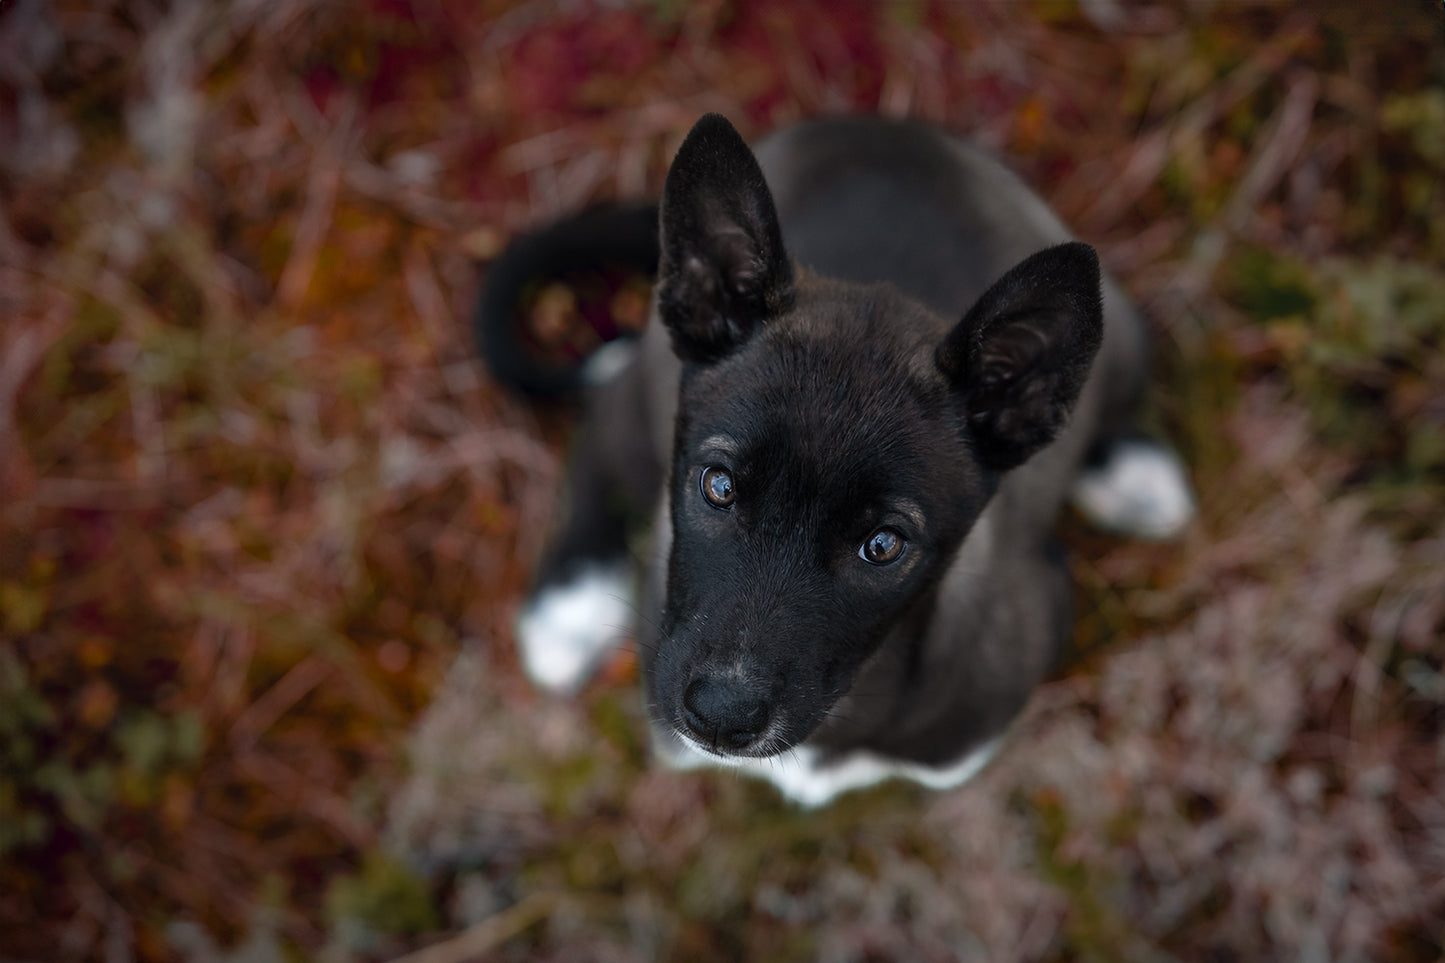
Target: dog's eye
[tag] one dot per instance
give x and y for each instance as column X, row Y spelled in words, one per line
column 717, row 487
column 882, row 547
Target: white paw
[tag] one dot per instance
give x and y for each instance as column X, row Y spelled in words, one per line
column 566, row 629
column 1141, row 491
column 609, row 361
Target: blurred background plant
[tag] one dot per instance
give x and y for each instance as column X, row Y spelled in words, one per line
column 264, row 521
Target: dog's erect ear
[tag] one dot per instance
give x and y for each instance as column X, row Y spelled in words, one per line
column 723, row 269
column 1022, row 354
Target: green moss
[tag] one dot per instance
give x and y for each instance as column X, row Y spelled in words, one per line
column 1359, row 342
column 385, row 898
column 1421, row 117
column 1093, row 929
column 1267, row 286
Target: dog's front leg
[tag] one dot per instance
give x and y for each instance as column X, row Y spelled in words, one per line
column 583, row 602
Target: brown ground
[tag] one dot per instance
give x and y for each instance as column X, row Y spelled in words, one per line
column 264, row 522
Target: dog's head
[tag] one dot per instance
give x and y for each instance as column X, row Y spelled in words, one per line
column 834, row 445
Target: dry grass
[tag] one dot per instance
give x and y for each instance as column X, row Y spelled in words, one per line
column 264, row 522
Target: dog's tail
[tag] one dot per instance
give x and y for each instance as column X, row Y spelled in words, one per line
column 556, row 295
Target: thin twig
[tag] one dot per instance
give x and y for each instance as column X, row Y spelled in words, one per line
column 488, row 934
column 277, row 700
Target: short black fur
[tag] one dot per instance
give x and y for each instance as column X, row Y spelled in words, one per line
column 923, row 368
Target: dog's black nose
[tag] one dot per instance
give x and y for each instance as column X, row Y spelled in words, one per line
column 724, row 713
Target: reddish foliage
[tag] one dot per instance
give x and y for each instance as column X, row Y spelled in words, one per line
column 257, row 495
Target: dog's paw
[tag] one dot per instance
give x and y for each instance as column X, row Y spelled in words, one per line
column 566, row 629
column 609, row 361
column 1141, row 490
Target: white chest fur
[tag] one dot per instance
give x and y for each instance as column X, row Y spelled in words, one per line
column 802, row 776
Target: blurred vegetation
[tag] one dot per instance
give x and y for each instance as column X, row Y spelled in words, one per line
column 264, row 522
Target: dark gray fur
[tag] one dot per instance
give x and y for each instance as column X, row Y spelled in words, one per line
column 877, row 373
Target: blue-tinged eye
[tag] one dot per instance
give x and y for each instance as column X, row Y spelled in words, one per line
column 883, row 546
column 717, row 487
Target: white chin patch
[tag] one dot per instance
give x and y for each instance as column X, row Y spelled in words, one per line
column 1140, row 491
column 565, row 630
column 800, row 776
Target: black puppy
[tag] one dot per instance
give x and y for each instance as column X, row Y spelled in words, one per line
column 877, row 366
